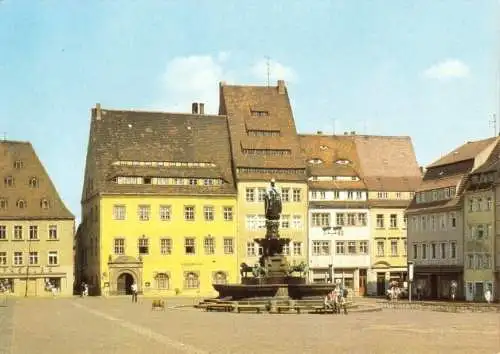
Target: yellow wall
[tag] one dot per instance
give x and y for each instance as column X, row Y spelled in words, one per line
column 177, row 229
column 257, row 208
column 40, row 272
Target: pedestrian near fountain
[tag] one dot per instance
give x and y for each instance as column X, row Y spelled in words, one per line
column 488, row 296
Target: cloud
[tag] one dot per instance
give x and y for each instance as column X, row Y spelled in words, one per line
column 277, row 71
column 190, row 79
column 447, row 69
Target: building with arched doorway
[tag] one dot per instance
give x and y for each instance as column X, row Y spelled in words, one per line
column 158, row 204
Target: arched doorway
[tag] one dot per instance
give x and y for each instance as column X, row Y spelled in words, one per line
column 123, row 284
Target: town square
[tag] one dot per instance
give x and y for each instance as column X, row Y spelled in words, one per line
column 250, row 177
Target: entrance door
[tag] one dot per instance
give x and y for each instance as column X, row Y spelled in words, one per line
column 362, row 282
column 380, row 284
column 123, row 284
column 479, row 291
column 434, row 286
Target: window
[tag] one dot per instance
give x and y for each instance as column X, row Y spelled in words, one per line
column 320, row 219
column 424, row 251
column 33, row 182
column 21, row 204
column 340, row 247
column 220, row 278
column 487, row 261
column 3, row 232
column 297, row 195
column 189, row 213
column 33, row 232
column 351, row 219
column 470, row 261
column 193, row 182
column 8, row 181
column 340, row 219
column 250, row 194
column 18, row 232
column 351, row 247
column 18, row 258
column 285, row 221
column 453, row 220
column 453, row 250
column 3, row 258
column 44, row 204
column 228, row 245
column 415, row 251
column 53, row 258
column 166, row 246
column 143, row 212
column 336, row 194
column 191, row 281
column 208, row 182
column 286, row 249
column 382, row 195
column 394, row 221
column 250, row 249
column 189, row 246
column 209, row 245
column 359, row 195
column 165, row 212
column 285, row 195
column 394, row 248
column 314, row 195
column 350, row 195
column 297, row 222
column 143, row 246
column 361, row 219
column 398, row 195
column 119, row 246
column 433, row 251
column 405, row 247
column 3, row 204
column 380, row 249
column 228, row 213
column 322, row 195
column 489, row 204
column 208, row 213
column 162, row 281
column 442, row 254
column 33, row 258
column 52, row 232
column 18, row 164
column 380, row 221
column 363, row 247
column 297, row 248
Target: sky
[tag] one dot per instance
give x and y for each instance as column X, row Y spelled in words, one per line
column 427, row 69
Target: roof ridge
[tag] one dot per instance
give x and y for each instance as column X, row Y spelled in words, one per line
column 6, row 141
column 161, row 112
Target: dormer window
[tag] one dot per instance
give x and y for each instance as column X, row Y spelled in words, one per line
column 44, row 204
column 323, row 147
column 315, row 161
column 18, row 164
column 343, row 162
column 33, row 182
column 21, row 204
column 3, row 204
column 8, row 181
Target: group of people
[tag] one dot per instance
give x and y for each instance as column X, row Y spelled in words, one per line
column 84, row 289
column 5, row 287
column 336, row 300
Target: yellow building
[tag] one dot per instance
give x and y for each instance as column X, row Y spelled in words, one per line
column 265, row 145
column 391, row 174
column 159, row 204
column 36, row 228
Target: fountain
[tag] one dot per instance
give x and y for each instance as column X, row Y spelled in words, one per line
column 272, row 275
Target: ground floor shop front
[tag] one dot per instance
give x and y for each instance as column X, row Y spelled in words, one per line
column 354, row 279
column 40, row 285
column 438, row 282
column 379, row 279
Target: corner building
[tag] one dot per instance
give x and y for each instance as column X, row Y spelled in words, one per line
column 158, row 204
column 339, row 228
column 265, row 145
column 36, row 228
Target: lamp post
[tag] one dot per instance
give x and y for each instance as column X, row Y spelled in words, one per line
column 28, row 267
column 411, row 266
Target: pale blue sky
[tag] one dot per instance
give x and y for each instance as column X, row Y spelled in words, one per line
column 425, row 68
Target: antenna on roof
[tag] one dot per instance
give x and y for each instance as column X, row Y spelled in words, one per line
column 268, row 66
column 493, row 123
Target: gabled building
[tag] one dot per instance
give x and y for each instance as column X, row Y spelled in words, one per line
column 481, row 239
column 339, row 223
column 437, row 220
column 265, row 145
column 158, row 203
column 390, row 171
column 36, row 228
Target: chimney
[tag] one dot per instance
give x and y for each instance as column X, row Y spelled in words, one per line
column 97, row 111
column 281, row 87
column 319, row 132
column 202, row 108
column 194, row 108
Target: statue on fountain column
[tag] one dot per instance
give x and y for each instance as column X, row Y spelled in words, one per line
column 272, row 208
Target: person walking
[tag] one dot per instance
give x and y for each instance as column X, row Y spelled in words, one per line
column 133, row 288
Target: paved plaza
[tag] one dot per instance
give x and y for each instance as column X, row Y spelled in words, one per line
column 99, row 325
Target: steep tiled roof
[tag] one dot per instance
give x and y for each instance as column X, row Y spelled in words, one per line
column 117, row 135
column 447, row 181
column 266, row 110
column 388, row 163
column 328, row 150
column 19, row 164
column 464, row 152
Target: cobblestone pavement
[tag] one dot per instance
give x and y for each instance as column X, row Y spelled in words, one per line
column 98, row 325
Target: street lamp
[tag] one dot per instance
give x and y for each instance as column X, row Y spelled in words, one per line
column 411, row 266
